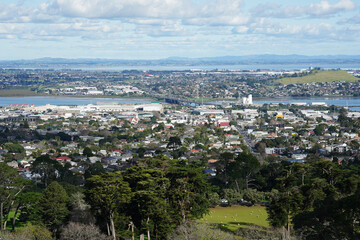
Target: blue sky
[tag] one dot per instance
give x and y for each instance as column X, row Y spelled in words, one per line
column 152, row 29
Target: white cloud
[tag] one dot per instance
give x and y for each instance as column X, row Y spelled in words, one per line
column 114, row 9
column 325, row 8
column 218, row 21
column 11, row 30
column 240, row 29
column 266, row 27
column 21, row 14
column 156, row 12
column 317, row 10
column 169, row 30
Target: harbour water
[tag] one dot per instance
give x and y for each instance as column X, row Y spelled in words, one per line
column 59, row 100
column 337, row 101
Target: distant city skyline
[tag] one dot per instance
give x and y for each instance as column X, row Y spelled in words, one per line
column 154, row 29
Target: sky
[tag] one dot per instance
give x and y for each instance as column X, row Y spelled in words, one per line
column 153, row 29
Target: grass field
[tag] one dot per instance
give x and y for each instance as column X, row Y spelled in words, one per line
column 320, row 76
column 17, row 93
column 18, row 225
column 235, row 217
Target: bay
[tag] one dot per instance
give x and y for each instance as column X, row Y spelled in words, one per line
column 55, row 100
column 337, row 101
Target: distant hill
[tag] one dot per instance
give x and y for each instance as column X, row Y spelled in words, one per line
column 252, row 60
column 320, row 76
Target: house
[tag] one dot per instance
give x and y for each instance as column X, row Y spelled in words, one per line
column 63, row 159
column 149, row 153
column 278, row 151
column 13, row 164
column 94, row 159
column 224, row 124
column 210, row 172
column 339, row 148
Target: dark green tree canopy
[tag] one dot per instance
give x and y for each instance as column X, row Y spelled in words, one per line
column 53, row 206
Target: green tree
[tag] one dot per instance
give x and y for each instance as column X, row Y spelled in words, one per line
column 87, row 152
column 26, row 208
column 10, row 186
column 253, row 196
column 232, row 196
column 282, row 208
column 319, row 129
column 46, row 167
column 148, row 208
column 94, row 169
column 223, row 166
column 245, row 166
column 107, row 193
column 53, row 206
column 14, row 148
column 331, row 219
column 174, row 143
column 188, row 191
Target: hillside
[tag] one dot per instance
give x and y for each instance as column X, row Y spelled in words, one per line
column 320, row 76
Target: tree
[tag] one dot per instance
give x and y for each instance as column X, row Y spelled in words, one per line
column 33, row 232
column 26, row 124
column 332, row 129
column 288, row 202
column 174, row 143
column 94, row 169
column 214, row 198
column 253, row 196
column 148, row 208
column 107, row 193
column 188, row 191
column 80, row 210
column 232, row 196
column 224, row 165
column 282, row 208
column 14, row 148
column 331, row 219
column 87, row 152
column 319, row 129
column 46, row 167
column 10, row 186
column 245, row 166
column 26, row 207
column 53, row 206
column 81, row 231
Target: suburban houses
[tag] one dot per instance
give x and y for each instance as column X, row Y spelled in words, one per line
column 118, row 135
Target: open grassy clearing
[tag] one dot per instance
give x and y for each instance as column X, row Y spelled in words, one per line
column 320, row 76
column 17, row 93
column 235, row 217
column 18, row 225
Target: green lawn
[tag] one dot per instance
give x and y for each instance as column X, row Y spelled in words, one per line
column 17, row 93
column 18, row 225
column 235, row 217
column 320, row 76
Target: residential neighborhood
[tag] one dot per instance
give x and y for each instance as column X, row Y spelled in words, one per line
column 118, row 135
